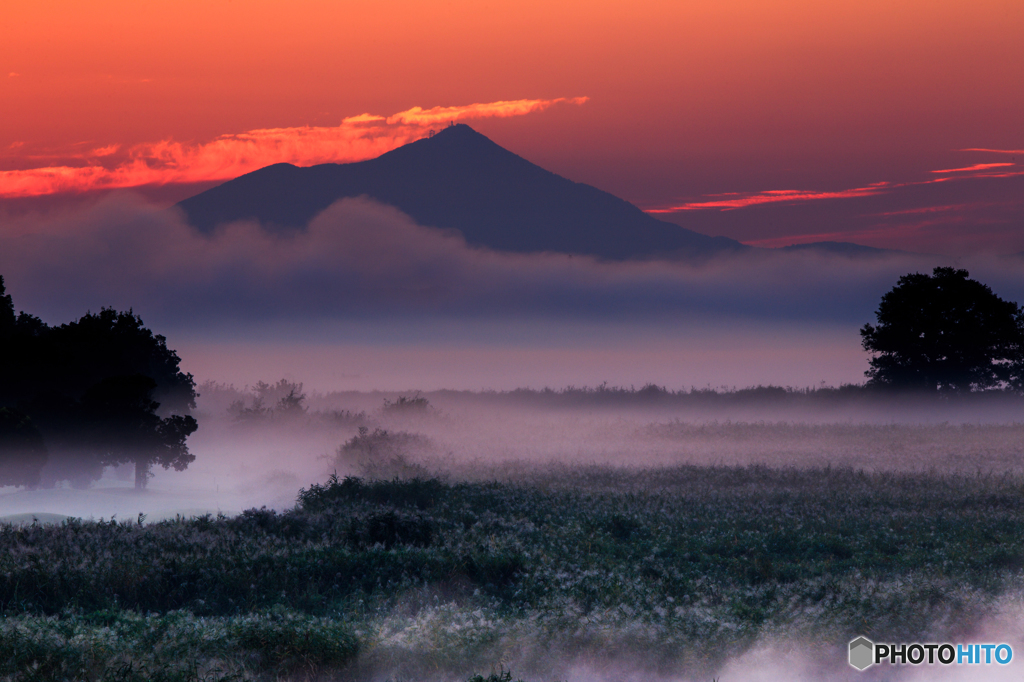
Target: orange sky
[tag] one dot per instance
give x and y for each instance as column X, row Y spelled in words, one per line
column 687, row 99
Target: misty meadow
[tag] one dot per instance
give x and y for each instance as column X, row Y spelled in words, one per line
column 697, row 358
column 574, row 534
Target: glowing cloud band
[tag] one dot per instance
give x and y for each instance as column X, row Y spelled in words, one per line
column 772, row 197
column 975, row 167
column 228, row 156
column 736, row 200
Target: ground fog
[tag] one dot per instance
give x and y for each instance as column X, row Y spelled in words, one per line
column 586, row 535
column 254, row 450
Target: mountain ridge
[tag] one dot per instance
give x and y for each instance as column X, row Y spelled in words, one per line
column 460, row 179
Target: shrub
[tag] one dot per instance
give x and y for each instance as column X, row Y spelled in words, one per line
column 418, row 493
column 390, row 529
column 381, row 454
column 501, row 676
column 406, row 405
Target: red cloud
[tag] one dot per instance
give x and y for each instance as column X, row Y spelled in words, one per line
column 993, row 151
column 738, row 200
column 975, row 167
column 426, row 117
column 228, row 156
column 774, row 196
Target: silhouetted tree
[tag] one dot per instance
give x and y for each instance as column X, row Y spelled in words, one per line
column 22, row 451
column 944, row 332
column 7, row 318
column 291, row 404
column 93, row 388
column 112, row 343
column 122, row 426
column 285, row 398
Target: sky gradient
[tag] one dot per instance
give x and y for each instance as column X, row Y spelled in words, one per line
column 727, row 116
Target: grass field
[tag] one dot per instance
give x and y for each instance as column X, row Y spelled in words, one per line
column 671, row 572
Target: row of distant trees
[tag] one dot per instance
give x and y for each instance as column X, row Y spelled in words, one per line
column 284, row 399
column 97, row 392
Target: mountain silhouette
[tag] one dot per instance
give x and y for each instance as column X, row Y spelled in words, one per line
column 459, row 179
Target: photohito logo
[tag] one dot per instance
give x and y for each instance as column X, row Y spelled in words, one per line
column 864, row 653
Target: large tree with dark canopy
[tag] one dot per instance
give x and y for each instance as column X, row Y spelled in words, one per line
column 102, row 390
column 945, row 332
column 122, row 427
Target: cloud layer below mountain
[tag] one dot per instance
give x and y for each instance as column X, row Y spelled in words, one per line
column 367, row 273
column 361, row 259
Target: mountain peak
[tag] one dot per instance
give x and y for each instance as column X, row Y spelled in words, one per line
column 457, row 139
column 456, row 135
column 460, row 179
column 453, row 130
column 459, row 131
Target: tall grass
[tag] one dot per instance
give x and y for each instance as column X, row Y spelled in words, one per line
column 675, row 569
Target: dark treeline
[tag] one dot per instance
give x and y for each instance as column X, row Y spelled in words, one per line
column 100, row 391
column 761, row 395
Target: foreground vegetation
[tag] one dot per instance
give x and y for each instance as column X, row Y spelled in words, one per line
column 664, row 570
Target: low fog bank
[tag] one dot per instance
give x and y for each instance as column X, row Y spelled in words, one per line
column 257, row 446
column 457, row 434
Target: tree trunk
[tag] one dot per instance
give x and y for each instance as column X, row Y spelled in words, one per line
column 141, row 474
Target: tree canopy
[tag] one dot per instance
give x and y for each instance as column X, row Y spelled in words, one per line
column 99, row 391
column 945, row 332
column 22, row 451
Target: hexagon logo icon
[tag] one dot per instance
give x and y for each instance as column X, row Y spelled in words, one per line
column 862, row 653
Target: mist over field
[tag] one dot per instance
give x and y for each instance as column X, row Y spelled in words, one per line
column 250, row 453
column 623, row 471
